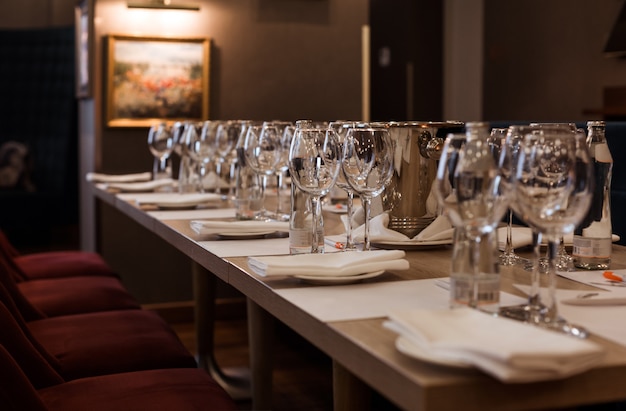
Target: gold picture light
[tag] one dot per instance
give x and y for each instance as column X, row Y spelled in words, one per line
column 161, row 5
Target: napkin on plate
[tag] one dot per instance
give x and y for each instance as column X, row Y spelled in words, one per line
column 439, row 229
column 331, row 264
column 509, row 350
column 139, row 186
column 118, row 178
column 205, row 227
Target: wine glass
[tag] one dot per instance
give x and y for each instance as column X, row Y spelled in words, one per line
column 285, row 130
column 553, row 192
column 341, row 129
column 161, row 144
column 262, row 150
column 367, row 165
column 314, row 162
column 201, row 147
column 471, row 190
column 564, row 262
column 226, row 137
column 505, row 143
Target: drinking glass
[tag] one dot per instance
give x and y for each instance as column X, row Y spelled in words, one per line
column 285, row 130
column 505, row 143
column 341, row 129
column 161, row 144
column 262, row 152
column 553, row 192
column 367, row 164
column 226, row 137
column 471, row 190
column 314, row 163
column 201, row 145
column 564, row 261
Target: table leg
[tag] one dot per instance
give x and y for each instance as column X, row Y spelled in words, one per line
column 236, row 381
column 349, row 392
column 261, row 338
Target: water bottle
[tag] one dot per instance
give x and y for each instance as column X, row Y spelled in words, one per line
column 593, row 236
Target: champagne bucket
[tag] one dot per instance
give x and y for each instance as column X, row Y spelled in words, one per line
column 408, row 198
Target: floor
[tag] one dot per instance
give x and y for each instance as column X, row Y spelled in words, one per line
column 302, row 374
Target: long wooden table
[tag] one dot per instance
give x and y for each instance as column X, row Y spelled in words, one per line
column 363, row 351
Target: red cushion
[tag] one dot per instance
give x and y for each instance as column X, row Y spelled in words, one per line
column 29, row 357
column 27, row 310
column 110, row 342
column 54, row 264
column 16, row 391
column 174, row 389
column 77, row 295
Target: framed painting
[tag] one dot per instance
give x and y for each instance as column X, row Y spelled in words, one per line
column 83, row 14
column 152, row 79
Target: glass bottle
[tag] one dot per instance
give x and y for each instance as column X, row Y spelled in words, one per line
column 593, row 237
column 300, row 218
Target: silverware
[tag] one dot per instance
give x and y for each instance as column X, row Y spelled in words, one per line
column 609, row 284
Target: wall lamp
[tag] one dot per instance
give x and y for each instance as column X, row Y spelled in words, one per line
column 160, row 5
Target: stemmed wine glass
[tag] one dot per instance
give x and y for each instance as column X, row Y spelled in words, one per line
column 505, row 145
column 226, row 137
column 201, row 147
column 471, row 190
column 262, row 152
column 367, row 165
column 553, row 192
column 314, row 162
column 341, row 129
column 285, row 130
column 161, row 144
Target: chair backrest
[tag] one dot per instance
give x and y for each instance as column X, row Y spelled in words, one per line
column 16, row 391
column 7, row 246
column 30, row 359
column 28, row 311
column 23, row 330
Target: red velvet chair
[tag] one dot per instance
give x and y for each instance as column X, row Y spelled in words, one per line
column 78, row 346
column 55, row 264
column 63, row 296
column 171, row 389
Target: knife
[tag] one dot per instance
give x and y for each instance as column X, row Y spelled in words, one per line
column 595, row 301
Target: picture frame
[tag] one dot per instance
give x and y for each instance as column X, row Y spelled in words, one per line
column 83, row 15
column 154, row 79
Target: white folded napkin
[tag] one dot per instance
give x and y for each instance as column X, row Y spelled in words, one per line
column 212, row 180
column 138, row 186
column 118, row 178
column 509, row 350
column 177, row 199
column 330, row 264
column 205, row 227
column 439, row 229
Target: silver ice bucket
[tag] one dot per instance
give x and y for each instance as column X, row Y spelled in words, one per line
column 408, row 198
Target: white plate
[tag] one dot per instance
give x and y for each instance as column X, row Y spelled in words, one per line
column 410, row 245
column 406, row 347
column 330, row 280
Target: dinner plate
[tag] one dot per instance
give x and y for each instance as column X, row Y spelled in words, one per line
column 337, row 280
column 406, row 347
column 410, row 245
